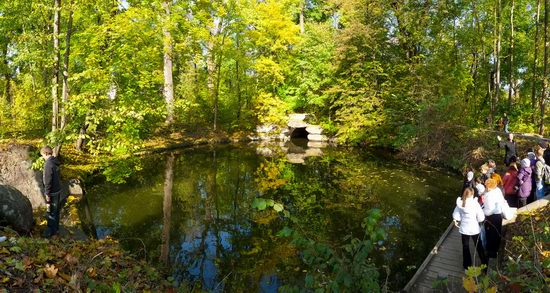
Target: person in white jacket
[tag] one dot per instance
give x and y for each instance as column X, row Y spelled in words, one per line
column 467, row 216
column 493, row 207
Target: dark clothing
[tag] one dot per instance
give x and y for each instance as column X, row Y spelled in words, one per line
column 522, row 201
column 510, row 151
column 52, row 183
column 52, row 214
column 52, row 190
column 493, row 229
column 546, row 155
column 466, row 257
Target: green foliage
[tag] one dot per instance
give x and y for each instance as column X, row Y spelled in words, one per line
column 38, row 164
column 343, row 269
column 372, row 72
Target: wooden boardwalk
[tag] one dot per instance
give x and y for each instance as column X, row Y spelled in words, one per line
column 443, row 266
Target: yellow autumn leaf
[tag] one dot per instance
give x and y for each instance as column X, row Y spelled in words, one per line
column 492, row 290
column 51, row 271
column 469, row 284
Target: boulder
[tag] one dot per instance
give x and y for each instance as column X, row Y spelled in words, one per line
column 314, row 129
column 75, row 187
column 297, row 124
column 317, row 137
column 297, row 116
column 266, row 128
column 15, row 209
column 15, row 170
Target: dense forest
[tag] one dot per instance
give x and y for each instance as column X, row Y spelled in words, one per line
column 386, row 72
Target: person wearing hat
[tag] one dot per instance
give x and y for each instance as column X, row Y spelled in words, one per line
column 468, row 180
column 525, row 182
column 509, row 148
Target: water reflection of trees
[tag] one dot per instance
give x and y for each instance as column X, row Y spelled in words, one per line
column 216, row 240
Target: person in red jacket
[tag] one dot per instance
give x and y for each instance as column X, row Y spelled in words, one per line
column 511, row 183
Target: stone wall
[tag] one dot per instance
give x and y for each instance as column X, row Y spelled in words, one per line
column 15, row 171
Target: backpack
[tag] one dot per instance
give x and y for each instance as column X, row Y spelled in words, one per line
column 546, row 174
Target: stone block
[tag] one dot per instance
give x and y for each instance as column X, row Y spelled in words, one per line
column 317, row 137
column 314, row 129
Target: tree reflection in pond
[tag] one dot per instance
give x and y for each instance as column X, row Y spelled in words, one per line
column 217, row 242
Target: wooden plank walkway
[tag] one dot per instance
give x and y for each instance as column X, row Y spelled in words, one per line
column 444, row 263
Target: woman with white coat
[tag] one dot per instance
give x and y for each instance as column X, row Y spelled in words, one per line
column 467, row 216
column 494, row 206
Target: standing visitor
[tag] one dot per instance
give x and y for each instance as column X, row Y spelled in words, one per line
column 525, row 182
column 493, row 205
column 468, row 214
column 52, row 191
column 505, row 122
column 468, row 180
column 484, row 170
column 492, row 167
column 479, row 190
column 509, row 147
column 510, row 183
column 492, row 172
column 539, row 174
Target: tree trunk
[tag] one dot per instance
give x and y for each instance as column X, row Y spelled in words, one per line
column 168, row 52
column 211, row 68
column 511, row 81
column 65, row 91
column 498, row 49
column 55, row 76
column 167, row 208
column 7, row 75
column 302, row 22
column 544, row 70
column 238, row 82
column 81, row 140
column 535, row 59
column 217, row 88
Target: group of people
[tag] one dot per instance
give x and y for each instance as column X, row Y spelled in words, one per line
column 487, row 198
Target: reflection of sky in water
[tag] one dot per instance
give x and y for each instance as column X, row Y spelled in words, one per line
column 196, row 259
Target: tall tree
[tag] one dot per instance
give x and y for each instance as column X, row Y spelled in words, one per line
column 66, row 59
column 168, row 52
column 7, row 72
column 534, row 82
column 511, row 81
column 544, row 90
column 55, row 73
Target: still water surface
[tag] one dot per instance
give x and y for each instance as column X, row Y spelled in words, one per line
column 192, row 209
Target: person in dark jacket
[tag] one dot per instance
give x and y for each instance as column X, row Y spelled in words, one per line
column 509, row 147
column 52, row 190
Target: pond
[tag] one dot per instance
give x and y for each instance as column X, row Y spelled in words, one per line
column 193, row 209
